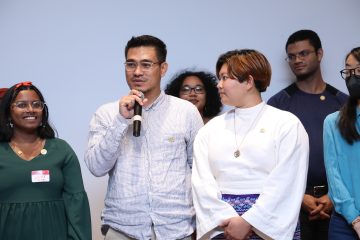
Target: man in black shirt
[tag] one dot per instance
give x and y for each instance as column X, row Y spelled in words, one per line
column 311, row 99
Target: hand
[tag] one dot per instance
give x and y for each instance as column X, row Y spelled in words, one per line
column 313, row 207
column 126, row 104
column 236, row 228
column 356, row 227
column 309, row 203
column 327, row 206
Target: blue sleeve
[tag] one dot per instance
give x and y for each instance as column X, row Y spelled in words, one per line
column 343, row 201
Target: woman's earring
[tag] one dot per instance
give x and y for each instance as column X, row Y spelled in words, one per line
column 11, row 124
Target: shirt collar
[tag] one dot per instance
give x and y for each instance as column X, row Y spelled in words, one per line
column 157, row 102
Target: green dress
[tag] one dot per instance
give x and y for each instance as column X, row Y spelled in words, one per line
column 53, row 208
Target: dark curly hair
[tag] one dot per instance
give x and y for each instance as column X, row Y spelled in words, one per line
column 213, row 103
column 6, row 131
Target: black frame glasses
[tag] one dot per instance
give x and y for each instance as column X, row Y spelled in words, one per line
column 198, row 89
column 348, row 72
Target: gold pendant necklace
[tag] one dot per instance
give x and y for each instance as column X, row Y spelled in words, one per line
column 237, row 150
column 38, row 149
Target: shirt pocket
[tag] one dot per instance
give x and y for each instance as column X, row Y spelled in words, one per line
column 169, row 150
column 172, row 146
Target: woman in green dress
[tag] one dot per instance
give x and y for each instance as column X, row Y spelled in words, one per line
column 42, row 196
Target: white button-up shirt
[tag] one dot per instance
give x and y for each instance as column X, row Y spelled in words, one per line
column 149, row 176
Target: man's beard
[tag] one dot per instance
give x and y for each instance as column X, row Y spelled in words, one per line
column 304, row 76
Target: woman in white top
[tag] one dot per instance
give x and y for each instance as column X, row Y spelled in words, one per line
column 250, row 163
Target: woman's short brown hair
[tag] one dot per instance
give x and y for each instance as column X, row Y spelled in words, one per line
column 250, row 62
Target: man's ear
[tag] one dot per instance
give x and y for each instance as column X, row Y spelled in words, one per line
column 320, row 54
column 163, row 68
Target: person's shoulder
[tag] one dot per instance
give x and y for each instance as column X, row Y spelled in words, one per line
column 219, row 119
column 281, row 115
column 109, row 105
column 331, row 121
column 332, row 117
column 283, row 95
column 60, row 145
column 336, row 92
column 180, row 104
column 3, row 144
column 110, row 108
column 58, row 142
column 177, row 100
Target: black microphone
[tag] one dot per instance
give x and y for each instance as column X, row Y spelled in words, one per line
column 137, row 118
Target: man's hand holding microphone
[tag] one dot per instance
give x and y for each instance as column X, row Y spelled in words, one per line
column 130, row 106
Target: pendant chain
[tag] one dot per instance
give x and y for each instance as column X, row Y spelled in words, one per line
column 38, row 149
column 237, row 150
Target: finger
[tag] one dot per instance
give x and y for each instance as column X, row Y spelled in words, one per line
column 321, row 201
column 224, row 223
column 134, row 95
column 317, row 209
column 324, row 214
column 139, row 100
column 137, row 93
column 128, row 102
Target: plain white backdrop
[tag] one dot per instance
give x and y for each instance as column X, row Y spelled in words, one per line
column 73, row 50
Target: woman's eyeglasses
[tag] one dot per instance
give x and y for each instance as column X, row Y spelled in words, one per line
column 35, row 105
column 186, row 90
column 347, row 73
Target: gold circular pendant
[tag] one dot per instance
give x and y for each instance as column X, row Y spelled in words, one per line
column 43, row 151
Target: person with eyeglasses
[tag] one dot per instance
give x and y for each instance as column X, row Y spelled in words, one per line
column 342, row 156
column 149, row 189
column 199, row 88
column 42, row 195
column 250, row 163
column 311, row 99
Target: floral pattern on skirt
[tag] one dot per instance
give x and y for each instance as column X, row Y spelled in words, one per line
column 242, row 203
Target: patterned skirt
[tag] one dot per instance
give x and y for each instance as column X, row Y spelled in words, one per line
column 242, row 203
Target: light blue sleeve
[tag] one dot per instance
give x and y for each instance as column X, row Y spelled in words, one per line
column 333, row 147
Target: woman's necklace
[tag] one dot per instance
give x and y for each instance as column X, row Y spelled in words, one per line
column 237, row 150
column 37, row 149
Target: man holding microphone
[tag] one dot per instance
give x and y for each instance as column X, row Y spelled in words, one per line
column 149, row 189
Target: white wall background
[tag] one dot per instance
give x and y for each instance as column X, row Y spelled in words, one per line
column 73, row 50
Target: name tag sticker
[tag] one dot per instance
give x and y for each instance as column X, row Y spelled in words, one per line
column 40, row 176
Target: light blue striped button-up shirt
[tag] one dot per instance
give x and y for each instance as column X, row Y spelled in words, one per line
column 149, row 176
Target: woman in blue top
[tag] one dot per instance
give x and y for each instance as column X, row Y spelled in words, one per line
column 342, row 156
